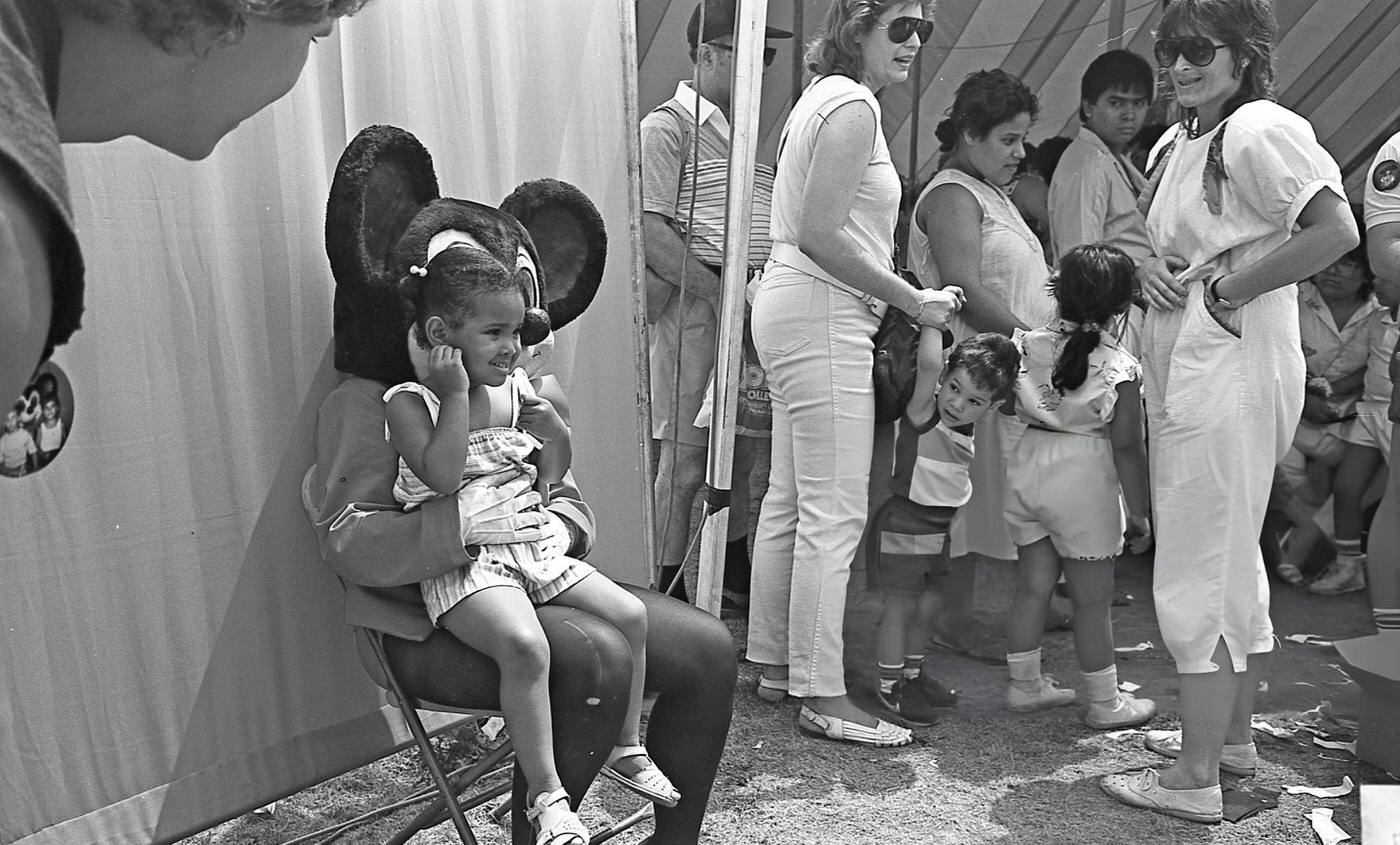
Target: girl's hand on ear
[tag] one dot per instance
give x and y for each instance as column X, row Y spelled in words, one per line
column 446, row 375
column 539, row 417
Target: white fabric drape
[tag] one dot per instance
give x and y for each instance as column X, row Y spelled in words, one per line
column 171, row 646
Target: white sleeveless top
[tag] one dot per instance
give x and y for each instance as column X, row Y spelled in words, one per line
column 1013, row 264
column 876, row 206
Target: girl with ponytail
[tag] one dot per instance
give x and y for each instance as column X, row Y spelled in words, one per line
column 1078, row 392
column 475, row 419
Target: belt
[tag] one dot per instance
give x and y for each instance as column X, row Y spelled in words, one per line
column 790, row 256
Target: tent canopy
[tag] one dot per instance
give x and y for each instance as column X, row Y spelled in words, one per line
column 1337, row 63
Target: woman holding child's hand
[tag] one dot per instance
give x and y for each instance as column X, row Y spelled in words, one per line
column 816, row 309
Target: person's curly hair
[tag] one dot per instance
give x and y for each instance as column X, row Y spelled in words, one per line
column 836, row 48
column 194, row 26
column 985, row 100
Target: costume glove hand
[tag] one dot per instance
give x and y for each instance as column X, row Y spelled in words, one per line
column 500, row 513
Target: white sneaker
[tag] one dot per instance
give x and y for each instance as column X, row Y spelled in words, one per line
column 1340, row 577
column 1239, row 760
column 1043, row 696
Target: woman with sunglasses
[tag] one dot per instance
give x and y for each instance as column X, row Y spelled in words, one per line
column 816, row 308
column 1243, row 202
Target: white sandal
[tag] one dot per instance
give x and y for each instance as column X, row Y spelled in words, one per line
column 639, row 774
column 555, row 825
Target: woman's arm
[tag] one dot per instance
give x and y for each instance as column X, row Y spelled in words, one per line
column 1326, row 232
column 839, row 160
column 952, row 219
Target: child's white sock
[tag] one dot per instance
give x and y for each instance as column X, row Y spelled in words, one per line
column 1102, row 686
column 1024, row 666
column 1386, row 617
column 889, row 675
column 913, row 666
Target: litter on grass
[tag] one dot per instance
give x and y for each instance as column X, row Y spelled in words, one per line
column 1130, row 649
column 1326, row 829
column 1344, row 788
column 1278, row 733
column 1308, row 639
column 1334, row 745
column 1128, row 686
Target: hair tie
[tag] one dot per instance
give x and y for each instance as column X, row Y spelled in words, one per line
column 421, row 272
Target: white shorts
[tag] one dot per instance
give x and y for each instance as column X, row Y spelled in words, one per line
column 1370, row 428
column 1065, row 487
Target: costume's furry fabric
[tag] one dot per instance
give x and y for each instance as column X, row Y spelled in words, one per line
column 384, row 208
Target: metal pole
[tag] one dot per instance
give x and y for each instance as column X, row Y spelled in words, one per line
column 641, row 346
column 918, row 91
column 799, row 48
column 1117, row 12
column 750, row 20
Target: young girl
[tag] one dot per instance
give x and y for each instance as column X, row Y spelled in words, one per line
column 1078, row 392
column 473, row 419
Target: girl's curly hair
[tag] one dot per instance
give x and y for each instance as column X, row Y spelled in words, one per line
column 1093, row 286
column 454, row 280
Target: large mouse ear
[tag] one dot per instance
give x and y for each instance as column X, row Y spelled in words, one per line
column 571, row 244
column 383, row 179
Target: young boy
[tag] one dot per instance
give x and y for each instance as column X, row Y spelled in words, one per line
column 933, row 448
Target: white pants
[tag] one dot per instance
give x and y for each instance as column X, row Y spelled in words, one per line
column 816, row 343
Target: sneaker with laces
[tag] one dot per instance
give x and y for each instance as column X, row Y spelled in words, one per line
column 911, row 709
column 1339, row 577
column 1124, row 711
column 1239, row 760
column 1044, row 695
column 931, row 691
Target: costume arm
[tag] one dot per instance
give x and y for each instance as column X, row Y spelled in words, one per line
column 365, row 536
column 565, row 502
column 25, row 285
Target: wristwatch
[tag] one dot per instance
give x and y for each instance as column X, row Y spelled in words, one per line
column 1215, row 296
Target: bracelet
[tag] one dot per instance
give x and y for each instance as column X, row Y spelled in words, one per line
column 1212, row 289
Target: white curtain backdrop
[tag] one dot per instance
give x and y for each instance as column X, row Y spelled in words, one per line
column 171, row 647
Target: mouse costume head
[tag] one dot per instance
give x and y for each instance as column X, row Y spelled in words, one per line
column 385, row 217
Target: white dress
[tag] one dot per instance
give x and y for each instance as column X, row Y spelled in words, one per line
column 1222, row 409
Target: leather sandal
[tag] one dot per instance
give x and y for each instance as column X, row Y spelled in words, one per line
column 556, row 824
column 631, row 767
column 882, row 735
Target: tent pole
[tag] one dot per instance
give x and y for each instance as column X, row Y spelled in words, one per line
column 917, row 88
column 1117, row 12
column 641, row 346
column 799, row 47
column 750, row 20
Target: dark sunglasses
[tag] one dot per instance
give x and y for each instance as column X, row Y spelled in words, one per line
column 1198, row 50
column 768, row 52
column 900, row 29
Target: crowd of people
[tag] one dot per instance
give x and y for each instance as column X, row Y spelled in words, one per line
column 1209, row 361
column 1211, row 296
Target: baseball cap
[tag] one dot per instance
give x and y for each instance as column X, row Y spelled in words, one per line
column 719, row 22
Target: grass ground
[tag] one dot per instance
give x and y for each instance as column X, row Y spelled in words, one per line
column 981, row 775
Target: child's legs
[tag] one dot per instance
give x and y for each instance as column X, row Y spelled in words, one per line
column 896, row 624
column 598, row 595
column 1090, row 585
column 1037, row 570
column 501, row 623
column 1358, row 467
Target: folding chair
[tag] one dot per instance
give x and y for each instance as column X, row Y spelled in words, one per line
column 451, row 785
